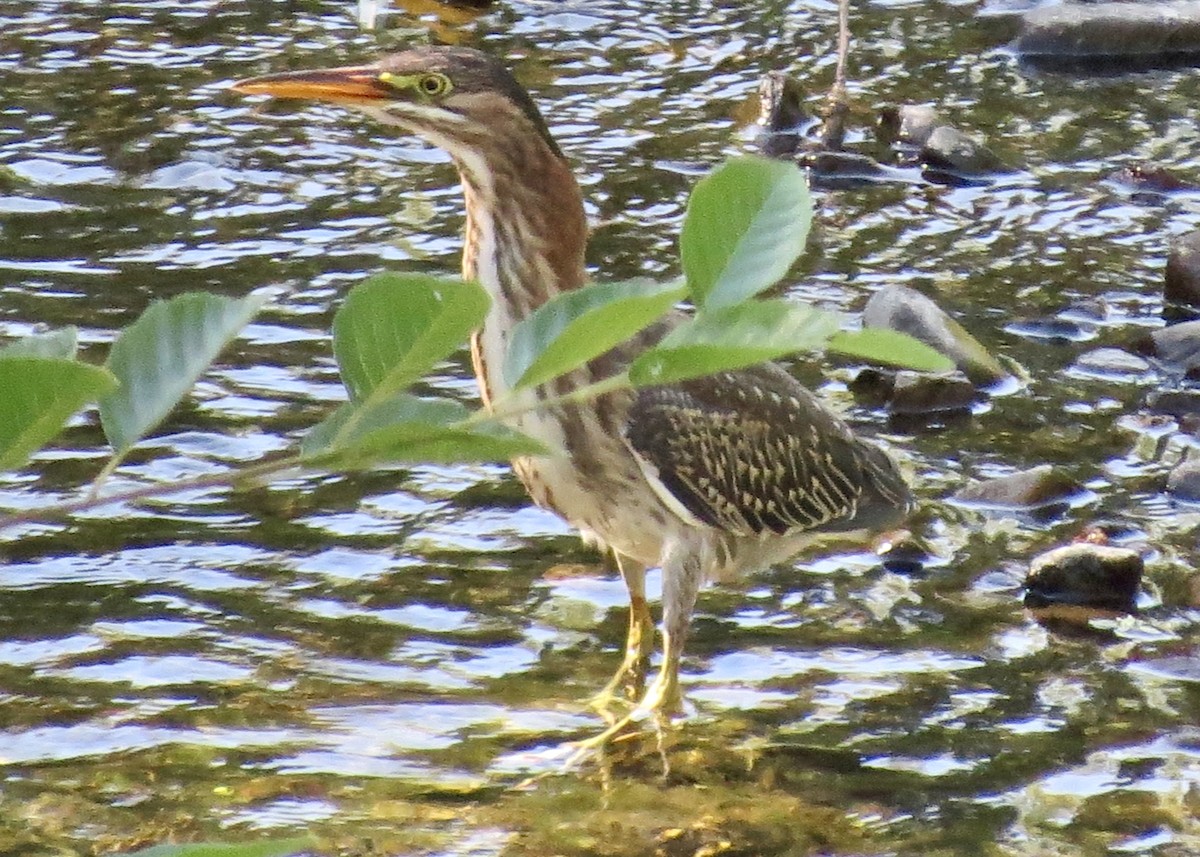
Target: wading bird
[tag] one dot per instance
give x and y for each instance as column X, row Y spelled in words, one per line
column 707, row 478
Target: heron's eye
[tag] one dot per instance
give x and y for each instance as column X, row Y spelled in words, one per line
column 434, row 84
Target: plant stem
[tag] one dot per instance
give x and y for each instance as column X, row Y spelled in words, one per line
column 93, row 501
column 506, row 409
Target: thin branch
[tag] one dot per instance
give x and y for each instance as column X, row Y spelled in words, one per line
column 57, row 511
column 837, row 106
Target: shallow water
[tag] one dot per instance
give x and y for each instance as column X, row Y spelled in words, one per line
column 377, row 658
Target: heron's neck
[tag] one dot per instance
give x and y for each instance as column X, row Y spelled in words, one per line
column 525, row 238
column 526, row 232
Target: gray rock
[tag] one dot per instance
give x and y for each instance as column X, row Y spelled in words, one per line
column 908, row 311
column 1085, row 575
column 953, row 151
column 1036, row 488
column 1182, row 285
column 1178, row 345
column 909, row 123
column 1111, row 363
column 1184, row 482
column 1095, row 30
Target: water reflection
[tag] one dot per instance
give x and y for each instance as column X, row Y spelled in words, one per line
column 376, row 656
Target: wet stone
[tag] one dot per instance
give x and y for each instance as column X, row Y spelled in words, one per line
column 1085, row 575
column 953, row 151
column 1097, row 31
column 908, row 123
column 1111, row 363
column 1151, row 179
column 1036, row 488
column 908, row 311
column 1178, row 345
column 1182, row 283
column 1184, row 482
column 1179, row 404
column 918, row 393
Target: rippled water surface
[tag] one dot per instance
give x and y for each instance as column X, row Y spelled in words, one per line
column 378, row 658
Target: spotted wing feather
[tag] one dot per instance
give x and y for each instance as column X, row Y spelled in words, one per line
column 754, row 451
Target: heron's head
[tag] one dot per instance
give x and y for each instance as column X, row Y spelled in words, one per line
column 461, row 100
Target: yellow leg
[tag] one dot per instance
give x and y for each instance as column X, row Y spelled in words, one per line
column 630, row 678
column 681, row 583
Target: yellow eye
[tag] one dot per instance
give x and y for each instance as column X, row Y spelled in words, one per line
column 434, row 84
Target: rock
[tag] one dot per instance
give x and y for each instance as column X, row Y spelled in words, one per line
column 1154, row 179
column 1037, row 488
column 952, row 151
column 1184, row 482
column 918, row 393
column 1112, row 364
column 1141, row 33
column 1085, row 575
column 1182, row 285
column 781, row 114
column 908, row 123
column 903, row 552
column 1178, row 345
column 1175, row 403
column 908, row 311
column 945, row 150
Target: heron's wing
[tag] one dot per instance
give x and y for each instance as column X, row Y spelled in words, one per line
column 754, row 451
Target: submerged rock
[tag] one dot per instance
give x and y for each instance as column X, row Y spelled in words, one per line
column 1151, row 179
column 1182, row 284
column 908, row 311
column 781, row 114
column 1085, row 575
column 1081, row 33
column 1037, row 488
column 917, row 393
column 908, row 123
column 943, row 148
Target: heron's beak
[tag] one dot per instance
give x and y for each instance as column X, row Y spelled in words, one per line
column 353, row 84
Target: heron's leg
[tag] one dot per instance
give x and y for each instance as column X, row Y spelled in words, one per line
column 681, row 583
column 682, row 577
column 630, row 678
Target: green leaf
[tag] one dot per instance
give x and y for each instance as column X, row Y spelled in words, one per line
column 572, row 328
column 37, row 397
column 393, row 328
column 160, row 356
column 745, row 225
column 265, row 848
column 732, row 338
column 407, row 428
column 880, row 345
column 62, row 344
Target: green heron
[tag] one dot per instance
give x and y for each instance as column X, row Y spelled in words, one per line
column 706, row 478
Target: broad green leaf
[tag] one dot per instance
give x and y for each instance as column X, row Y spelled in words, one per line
column 265, row 848
column 393, row 328
column 37, row 397
column 62, row 344
column 879, row 345
column 745, row 225
column 407, row 428
column 732, row 338
column 160, row 356
column 572, row 328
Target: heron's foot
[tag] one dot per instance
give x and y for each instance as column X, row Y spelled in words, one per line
column 661, row 701
column 623, row 688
